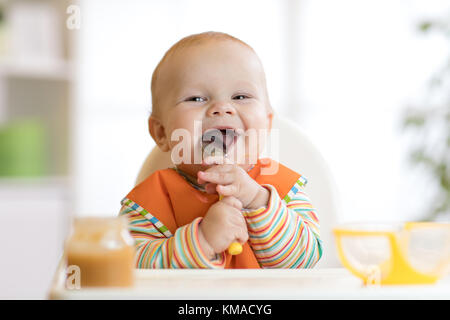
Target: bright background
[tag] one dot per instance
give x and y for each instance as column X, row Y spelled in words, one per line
column 343, row 70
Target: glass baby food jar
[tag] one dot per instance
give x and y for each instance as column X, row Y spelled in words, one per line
column 102, row 250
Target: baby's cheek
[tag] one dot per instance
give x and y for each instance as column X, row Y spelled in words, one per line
column 181, row 146
column 255, row 147
column 263, row 127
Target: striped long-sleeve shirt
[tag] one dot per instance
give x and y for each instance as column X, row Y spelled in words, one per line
column 285, row 234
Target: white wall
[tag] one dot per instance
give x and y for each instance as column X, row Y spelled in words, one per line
column 361, row 64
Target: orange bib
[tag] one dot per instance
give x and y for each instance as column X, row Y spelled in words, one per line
column 167, row 196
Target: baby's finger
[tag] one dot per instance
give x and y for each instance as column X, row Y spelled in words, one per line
column 232, row 201
column 217, row 168
column 220, row 168
column 237, row 219
column 226, row 191
column 216, row 177
column 242, row 235
column 199, row 179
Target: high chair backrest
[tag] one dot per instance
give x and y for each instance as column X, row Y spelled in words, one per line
column 296, row 151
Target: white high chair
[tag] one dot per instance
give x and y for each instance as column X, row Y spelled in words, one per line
column 296, row 151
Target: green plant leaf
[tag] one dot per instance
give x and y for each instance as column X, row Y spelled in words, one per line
column 425, row 26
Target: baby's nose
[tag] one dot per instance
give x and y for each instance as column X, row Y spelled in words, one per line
column 221, row 109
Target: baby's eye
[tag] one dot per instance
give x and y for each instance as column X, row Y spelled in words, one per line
column 196, row 99
column 240, row 97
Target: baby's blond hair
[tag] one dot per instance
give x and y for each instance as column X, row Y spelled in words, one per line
column 186, row 42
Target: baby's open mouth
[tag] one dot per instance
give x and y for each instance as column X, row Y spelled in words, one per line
column 217, row 142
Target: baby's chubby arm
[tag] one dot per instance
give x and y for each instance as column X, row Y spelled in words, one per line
column 282, row 234
column 184, row 249
column 285, row 234
column 222, row 225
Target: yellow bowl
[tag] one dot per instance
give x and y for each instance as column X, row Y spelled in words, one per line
column 409, row 253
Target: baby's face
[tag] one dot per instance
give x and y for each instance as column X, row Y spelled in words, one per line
column 217, row 84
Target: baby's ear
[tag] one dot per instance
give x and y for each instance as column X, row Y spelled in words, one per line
column 158, row 133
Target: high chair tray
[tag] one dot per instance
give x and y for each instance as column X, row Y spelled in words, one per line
column 244, row 284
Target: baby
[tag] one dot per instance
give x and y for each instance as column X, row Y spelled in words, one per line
column 186, row 217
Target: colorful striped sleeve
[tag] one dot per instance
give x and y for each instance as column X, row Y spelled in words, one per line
column 286, row 233
column 156, row 249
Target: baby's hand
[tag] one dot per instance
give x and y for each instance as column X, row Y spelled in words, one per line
column 230, row 180
column 222, row 225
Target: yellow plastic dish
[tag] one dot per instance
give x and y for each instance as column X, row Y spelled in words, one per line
column 410, row 253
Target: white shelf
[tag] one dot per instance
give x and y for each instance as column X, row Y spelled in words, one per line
column 44, row 188
column 34, row 216
column 47, row 70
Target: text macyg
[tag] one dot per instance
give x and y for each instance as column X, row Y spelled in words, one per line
column 226, row 309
